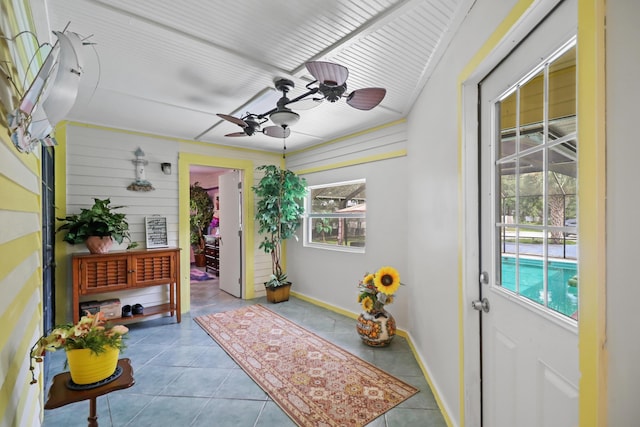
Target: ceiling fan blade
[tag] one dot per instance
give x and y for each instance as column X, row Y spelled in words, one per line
column 276, row 131
column 236, row 134
column 328, row 73
column 366, row 99
column 232, row 119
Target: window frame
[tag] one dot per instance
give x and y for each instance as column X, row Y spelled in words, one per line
column 309, row 218
column 545, row 228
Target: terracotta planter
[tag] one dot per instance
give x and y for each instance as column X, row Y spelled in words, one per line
column 86, row 367
column 279, row 294
column 200, row 260
column 376, row 329
column 99, row 244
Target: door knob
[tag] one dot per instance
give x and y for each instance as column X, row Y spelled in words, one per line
column 481, row 305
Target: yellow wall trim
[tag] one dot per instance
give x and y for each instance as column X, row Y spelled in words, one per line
column 230, row 147
column 592, row 200
column 167, row 138
column 185, row 160
column 359, row 161
column 61, row 257
column 353, row 135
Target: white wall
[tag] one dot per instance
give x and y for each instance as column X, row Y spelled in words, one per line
column 434, row 188
column 99, row 164
column 333, row 276
column 623, row 205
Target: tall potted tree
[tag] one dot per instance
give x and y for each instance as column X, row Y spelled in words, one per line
column 279, row 210
column 201, row 207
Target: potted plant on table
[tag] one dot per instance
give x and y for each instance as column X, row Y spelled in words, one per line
column 278, row 213
column 91, row 345
column 97, row 227
column 201, row 207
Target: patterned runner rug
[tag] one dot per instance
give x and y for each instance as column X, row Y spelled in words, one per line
column 315, row 382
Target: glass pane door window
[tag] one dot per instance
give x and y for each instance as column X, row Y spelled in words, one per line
column 536, row 177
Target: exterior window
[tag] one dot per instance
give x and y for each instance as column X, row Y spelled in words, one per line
column 336, row 216
column 536, row 165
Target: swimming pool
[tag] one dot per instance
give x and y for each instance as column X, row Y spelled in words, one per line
column 562, row 297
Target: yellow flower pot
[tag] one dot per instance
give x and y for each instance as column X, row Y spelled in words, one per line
column 87, row 368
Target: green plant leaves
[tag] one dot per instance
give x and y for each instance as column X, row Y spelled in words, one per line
column 279, row 209
column 201, row 207
column 99, row 220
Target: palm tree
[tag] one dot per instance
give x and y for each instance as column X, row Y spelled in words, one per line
column 323, row 226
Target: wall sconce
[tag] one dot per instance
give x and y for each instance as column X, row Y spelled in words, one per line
column 166, row 168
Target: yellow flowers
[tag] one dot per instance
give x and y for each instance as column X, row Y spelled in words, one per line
column 367, row 304
column 376, row 290
column 387, row 280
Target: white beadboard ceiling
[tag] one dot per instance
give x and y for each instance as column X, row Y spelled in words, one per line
column 166, row 67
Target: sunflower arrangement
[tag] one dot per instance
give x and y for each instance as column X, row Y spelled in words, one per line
column 377, row 289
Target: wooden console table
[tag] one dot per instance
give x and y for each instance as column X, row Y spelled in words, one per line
column 60, row 394
column 126, row 270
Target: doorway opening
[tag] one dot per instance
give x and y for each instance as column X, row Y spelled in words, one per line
column 215, row 233
column 234, row 259
column 204, row 205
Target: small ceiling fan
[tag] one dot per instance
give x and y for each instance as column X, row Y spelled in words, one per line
column 330, row 83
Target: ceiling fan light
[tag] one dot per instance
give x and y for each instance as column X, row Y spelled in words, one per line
column 277, row 131
column 284, row 117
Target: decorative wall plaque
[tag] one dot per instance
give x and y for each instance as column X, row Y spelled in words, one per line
column 156, row 229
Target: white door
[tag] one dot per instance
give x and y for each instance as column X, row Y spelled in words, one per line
column 528, row 241
column 230, row 212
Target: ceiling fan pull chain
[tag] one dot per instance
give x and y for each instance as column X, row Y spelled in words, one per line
column 284, row 147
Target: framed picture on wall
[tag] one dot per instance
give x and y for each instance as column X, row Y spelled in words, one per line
column 156, row 230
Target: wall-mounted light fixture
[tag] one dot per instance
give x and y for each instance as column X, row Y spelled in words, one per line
column 166, row 168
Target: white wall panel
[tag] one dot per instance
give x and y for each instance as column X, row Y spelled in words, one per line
column 623, row 205
column 387, row 205
column 387, row 139
column 100, row 165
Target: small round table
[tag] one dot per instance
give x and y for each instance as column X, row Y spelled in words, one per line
column 60, row 394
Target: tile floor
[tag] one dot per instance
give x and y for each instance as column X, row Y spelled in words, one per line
column 183, row 378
